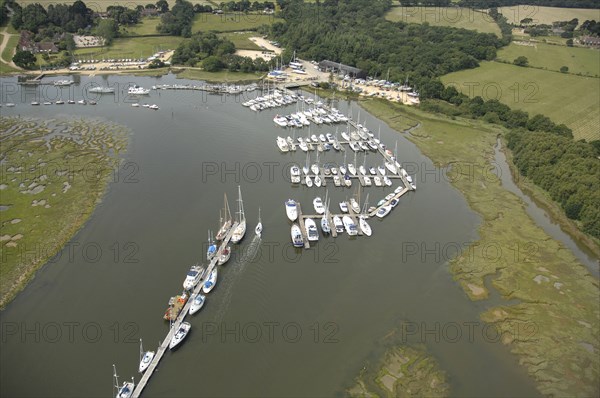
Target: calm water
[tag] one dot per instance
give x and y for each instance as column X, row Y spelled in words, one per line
column 280, row 322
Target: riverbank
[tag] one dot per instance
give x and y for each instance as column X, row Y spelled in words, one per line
column 54, row 173
column 558, row 298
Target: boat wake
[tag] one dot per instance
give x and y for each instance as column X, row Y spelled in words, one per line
column 245, row 256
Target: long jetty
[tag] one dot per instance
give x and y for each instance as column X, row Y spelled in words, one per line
column 184, row 312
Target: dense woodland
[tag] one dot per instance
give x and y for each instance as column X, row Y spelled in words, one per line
column 540, row 3
column 566, row 169
column 356, row 33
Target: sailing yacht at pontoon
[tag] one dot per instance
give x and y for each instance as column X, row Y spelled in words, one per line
column 145, row 358
column 226, row 220
column 240, row 230
column 126, row 389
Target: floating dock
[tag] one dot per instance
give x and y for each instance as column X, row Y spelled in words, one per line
column 139, row 387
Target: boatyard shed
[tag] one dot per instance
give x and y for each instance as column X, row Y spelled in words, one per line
column 330, row 66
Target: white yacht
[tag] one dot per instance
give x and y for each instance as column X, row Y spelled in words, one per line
column 364, row 226
column 145, row 358
column 295, row 173
column 259, row 227
column 318, row 205
column 210, row 282
column 240, row 230
column 325, row 225
column 102, row 90
column 180, row 334
column 344, row 207
column 197, row 303
column 282, row 144
column 308, row 181
column 291, row 209
column 193, row 277
column 339, row 225
column 137, row 90
column 318, row 181
column 126, row 389
column 225, row 220
column 297, row 236
column 383, row 211
column 350, row 226
column 225, row 254
column 311, row 229
column 354, row 205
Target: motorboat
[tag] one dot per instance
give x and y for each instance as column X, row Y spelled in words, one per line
column 295, row 173
column 387, row 181
column 291, row 209
column 102, row 90
column 180, row 334
column 344, row 207
column 297, row 236
column 318, row 205
column 394, row 202
column 137, row 90
column 367, row 180
column 383, row 211
column 225, row 255
column 259, row 227
column 283, row 145
column 347, row 180
column 339, row 225
column 194, row 276
column 35, row 103
column 145, row 358
column 126, row 389
column 311, row 229
column 197, row 303
column 210, row 282
column 308, row 181
column 350, row 226
column 154, row 107
column 354, row 205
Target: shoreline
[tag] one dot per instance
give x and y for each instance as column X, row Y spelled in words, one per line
column 21, row 274
column 553, row 288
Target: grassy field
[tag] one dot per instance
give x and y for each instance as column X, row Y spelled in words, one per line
column 7, row 55
column 130, row 48
column 562, row 307
column 241, row 40
column 146, row 27
column 100, row 5
column 583, row 61
column 547, row 15
column 446, row 16
column 222, row 76
column 230, row 22
column 572, row 100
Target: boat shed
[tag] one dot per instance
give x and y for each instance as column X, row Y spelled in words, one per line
column 339, row 67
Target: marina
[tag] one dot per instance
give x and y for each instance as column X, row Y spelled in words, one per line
column 263, row 290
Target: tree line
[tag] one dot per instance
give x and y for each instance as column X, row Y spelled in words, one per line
column 545, row 3
column 215, row 53
column 568, row 170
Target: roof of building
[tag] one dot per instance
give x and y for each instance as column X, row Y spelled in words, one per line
column 337, row 65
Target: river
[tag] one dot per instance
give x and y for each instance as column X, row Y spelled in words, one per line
column 281, row 322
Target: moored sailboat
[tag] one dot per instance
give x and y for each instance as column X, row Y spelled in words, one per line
column 240, row 230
